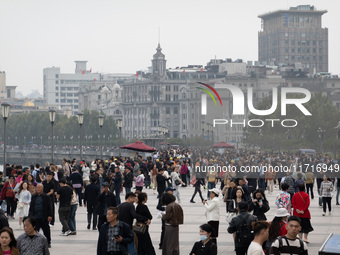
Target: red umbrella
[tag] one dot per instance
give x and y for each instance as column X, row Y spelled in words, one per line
column 138, row 146
column 223, row 145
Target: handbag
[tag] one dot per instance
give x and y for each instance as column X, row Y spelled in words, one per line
column 139, row 227
column 193, row 181
column 20, row 205
column 230, row 215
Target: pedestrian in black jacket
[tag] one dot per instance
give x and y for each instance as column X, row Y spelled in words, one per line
column 128, row 179
column 106, row 199
column 91, row 196
column 77, row 183
column 260, row 204
column 145, row 246
column 127, row 213
column 41, row 210
column 118, row 241
column 161, row 182
column 197, row 185
column 117, row 179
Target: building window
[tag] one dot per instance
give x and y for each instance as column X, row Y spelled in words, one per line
column 69, row 100
column 57, row 100
column 56, row 82
column 57, row 76
column 62, row 94
column 175, row 97
column 167, row 110
column 63, row 88
column 175, row 110
column 99, row 97
column 167, row 97
column 56, row 94
column 176, row 88
column 56, row 88
column 62, row 100
column 175, row 123
column 69, row 94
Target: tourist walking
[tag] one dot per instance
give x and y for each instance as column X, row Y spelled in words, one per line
column 213, row 212
column 114, row 235
column 326, row 189
column 8, row 194
column 64, row 195
column 260, row 205
column 300, row 203
column 24, row 199
column 41, row 211
column 145, row 246
column 173, row 217
column 32, row 242
column 91, row 196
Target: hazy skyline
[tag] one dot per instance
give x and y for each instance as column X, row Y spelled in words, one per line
column 121, row 36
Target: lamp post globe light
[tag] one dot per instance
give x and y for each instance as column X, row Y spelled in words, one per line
column 101, row 123
column 80, row 116
column 52, row 114
column 5, row 113
column 321, row 132
column 120, row 125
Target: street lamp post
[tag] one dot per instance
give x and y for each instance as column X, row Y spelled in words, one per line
column 52, row 113
column 337, row 137
column 101, row 123
column 260, row 134
column 120, row 125
column 321, row 132
column 80, row 116
column 5, row 113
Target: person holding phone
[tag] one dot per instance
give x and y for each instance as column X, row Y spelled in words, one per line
column 114, row 235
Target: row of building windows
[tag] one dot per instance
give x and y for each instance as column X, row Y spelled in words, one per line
column 67, row 88
column 168, row 87
column 67, row 101
column 66, row 94
column 304, row 50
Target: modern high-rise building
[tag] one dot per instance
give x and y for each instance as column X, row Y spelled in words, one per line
column 294, row 36
column 62, row 89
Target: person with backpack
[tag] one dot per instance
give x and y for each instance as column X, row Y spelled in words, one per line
column 261, row 234
column 290, row 244
column 205, row 246
column 241, row 225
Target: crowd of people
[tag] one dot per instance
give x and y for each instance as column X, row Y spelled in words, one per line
column 33, row 193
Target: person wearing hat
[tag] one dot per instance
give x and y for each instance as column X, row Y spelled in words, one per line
column 277, row 227
column 205, row 246
column 105, row 200
column 241, row 225
column 213, row 212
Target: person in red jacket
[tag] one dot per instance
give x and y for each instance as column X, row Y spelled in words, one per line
column 300, row 204
column 8, row 194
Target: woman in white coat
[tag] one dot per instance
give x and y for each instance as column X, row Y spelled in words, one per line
column 213, row 212
column 24, row 200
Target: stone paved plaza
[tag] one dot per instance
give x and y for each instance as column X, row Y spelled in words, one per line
column 85, row 242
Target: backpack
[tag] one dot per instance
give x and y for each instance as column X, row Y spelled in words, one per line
column 284, row 237
column 244, row 234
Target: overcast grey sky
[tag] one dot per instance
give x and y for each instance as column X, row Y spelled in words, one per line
column 121, row 36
